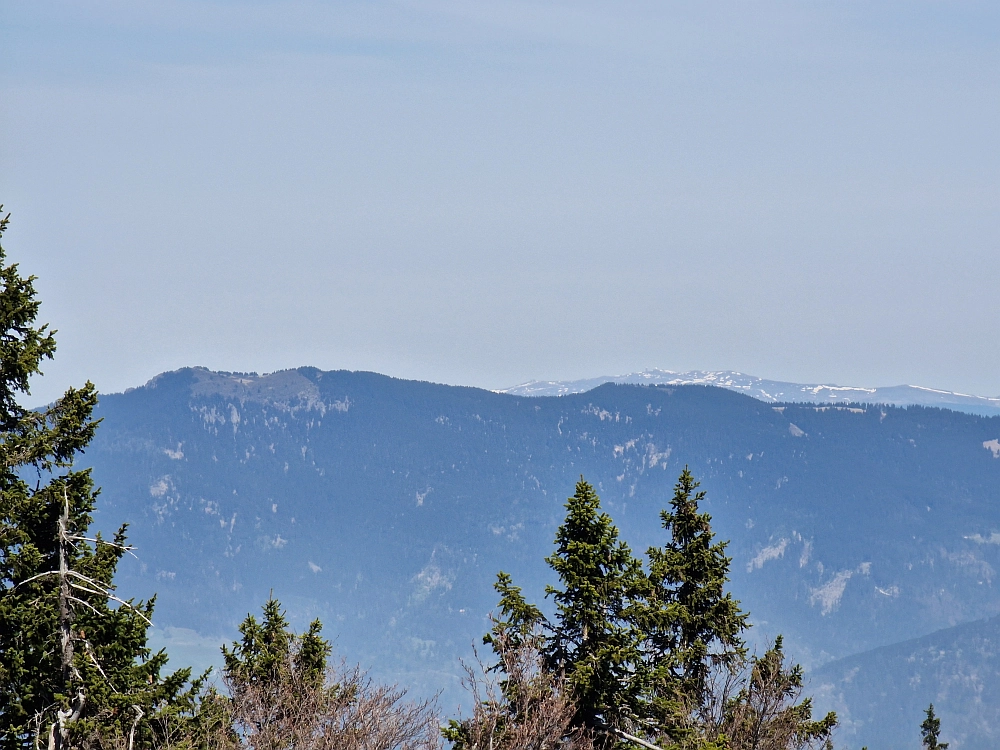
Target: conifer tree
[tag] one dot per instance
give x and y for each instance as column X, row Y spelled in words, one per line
column 687, row 621
column 269, row 651
column 648, row 659
column 930, row 729
column 276, row 685
column 518, row 620
column 73, row 666
column 592, row 640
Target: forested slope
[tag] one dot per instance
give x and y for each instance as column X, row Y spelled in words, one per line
column 387, row 506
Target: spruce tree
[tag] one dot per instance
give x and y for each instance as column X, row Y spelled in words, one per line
column 930, row 729
column 687, row 621
column 269, row 651
column 638, row 650
column 592, row 640
column 74, row 660
column 518, row 621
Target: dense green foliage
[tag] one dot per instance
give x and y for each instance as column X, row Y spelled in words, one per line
column 593, row 639
column 282, row 695
column 269, row 649
column 651, row 653
column 271, row 676
column 65, row 651
column 687, row 622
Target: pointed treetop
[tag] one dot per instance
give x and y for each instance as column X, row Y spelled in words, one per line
column 269, row 649
column 592, row 640
column 930, row 730
column 23, row 345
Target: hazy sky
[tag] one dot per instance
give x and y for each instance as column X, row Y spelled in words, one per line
column 489, row 192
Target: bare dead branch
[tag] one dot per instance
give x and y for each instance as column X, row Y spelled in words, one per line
column 519, row 705
column 345, row 711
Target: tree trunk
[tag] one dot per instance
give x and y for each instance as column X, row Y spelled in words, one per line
column 59, row 735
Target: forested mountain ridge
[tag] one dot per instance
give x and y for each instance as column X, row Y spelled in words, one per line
column 387, row 506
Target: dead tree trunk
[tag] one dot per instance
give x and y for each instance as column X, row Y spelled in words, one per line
column 59, row 732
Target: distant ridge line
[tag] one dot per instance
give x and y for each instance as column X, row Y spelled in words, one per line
column 298, row 382
column 773, row 391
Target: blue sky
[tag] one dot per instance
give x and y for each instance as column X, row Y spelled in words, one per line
column 484, row 193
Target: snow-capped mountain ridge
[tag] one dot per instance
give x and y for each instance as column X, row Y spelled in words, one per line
column 773, row 391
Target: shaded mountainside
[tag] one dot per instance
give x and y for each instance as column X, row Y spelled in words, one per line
column 386, row 507
column 877, row 694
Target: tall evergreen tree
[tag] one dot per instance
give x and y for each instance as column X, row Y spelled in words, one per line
column 639, row 651
column 74, row 660
column 688, row 622
column 269, row 649
column 930, row 730
column 592, row 640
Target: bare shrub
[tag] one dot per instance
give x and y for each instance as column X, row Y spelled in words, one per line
column 758, row 705
column 518, row 704
column 346, row 711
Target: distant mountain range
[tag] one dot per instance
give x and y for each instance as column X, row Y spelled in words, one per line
column 386, row 507
column 773, row 391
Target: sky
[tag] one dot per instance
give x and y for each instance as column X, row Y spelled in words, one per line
column 485, row 193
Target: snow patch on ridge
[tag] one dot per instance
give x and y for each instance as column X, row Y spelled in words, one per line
column 772, row 390
column 772, row 552
column 993, row 538
column 828, row 595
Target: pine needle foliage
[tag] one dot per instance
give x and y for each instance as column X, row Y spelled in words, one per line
column 283, row 696
column 269, row 651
